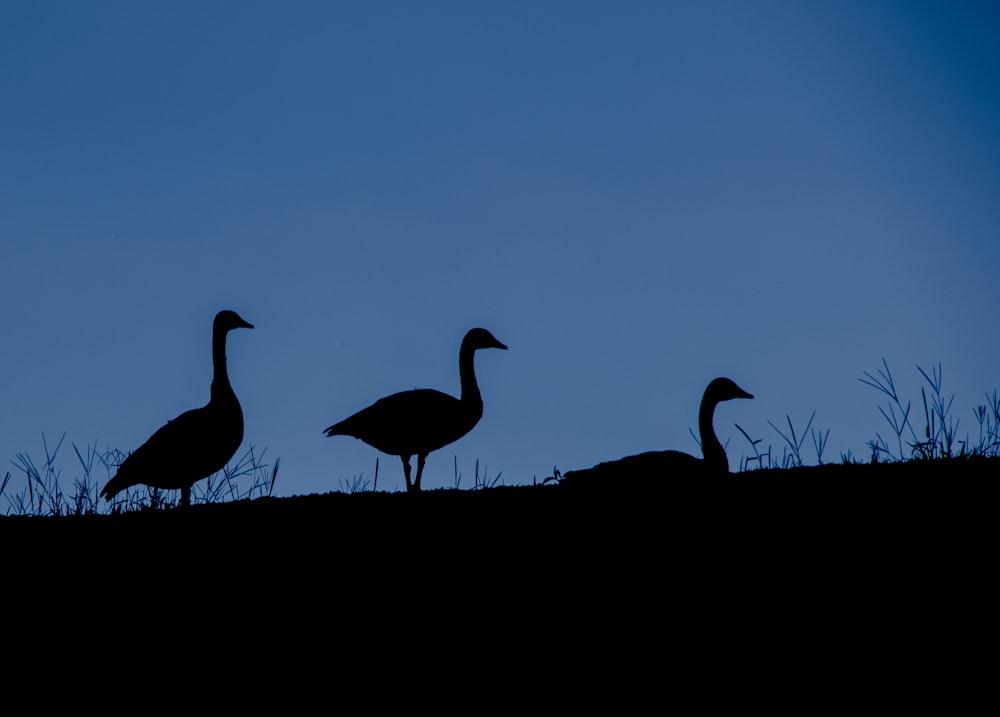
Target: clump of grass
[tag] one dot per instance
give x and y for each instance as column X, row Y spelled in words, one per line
column 988, row 417
column 791, row 452
column 3, row 484
column 794, row 443
column 940, row 437
column 760, row 459
column 358, row 484
column 479, row 482
column 249, row 478
column 43, row 493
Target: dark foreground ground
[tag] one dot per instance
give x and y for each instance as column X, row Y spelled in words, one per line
column 875, row 516
column 819, row 585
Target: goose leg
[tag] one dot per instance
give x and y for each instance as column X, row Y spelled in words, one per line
column 406, row 472
column 186, row 495
column 420, row 470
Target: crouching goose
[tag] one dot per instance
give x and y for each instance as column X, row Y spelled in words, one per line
column 714, row 459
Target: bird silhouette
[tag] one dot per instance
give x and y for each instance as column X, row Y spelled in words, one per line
column 423, row 420
column 656, row 463
column 198, row 442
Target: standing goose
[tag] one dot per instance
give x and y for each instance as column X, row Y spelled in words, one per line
column 198, row 442
column 659, row 462
column 420, row 421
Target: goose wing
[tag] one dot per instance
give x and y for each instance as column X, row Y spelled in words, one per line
column 409, row 423
column 190, row 447
column 649, row 465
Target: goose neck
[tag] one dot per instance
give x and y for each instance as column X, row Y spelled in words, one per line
column 220, row 376
column 467, row 374
column 711, row 449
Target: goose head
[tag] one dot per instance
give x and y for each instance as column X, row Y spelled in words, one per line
column 481, row 339
column 227, row 320
column 724, row 389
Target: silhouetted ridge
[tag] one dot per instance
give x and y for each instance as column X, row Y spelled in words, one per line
column 657, row 463
column 423, row 420
column 197, row 443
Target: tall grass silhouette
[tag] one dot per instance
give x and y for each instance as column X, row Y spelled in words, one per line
column 791, row 451
column 938, row 438
column 480, row 481
column 45, row 491
column 44, row 494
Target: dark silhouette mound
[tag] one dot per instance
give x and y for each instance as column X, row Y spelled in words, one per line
column 197, row 443
column 423, row 420
column 657, row 463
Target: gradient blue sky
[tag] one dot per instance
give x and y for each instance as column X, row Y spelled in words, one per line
column 636, row 197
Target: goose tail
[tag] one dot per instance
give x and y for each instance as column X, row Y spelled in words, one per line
column 333, row 430
column 114, row 486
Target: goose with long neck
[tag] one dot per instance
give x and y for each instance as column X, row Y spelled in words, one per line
column 713, row 462
column 418, row 422
column 198, row 442
column 719, row 390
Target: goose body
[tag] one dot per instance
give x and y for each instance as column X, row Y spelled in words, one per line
column 418, row 422
column 198, row 442
column 713, row 462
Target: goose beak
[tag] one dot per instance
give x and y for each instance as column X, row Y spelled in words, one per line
column 744, row 394
column 500, row 346
column 244, row 325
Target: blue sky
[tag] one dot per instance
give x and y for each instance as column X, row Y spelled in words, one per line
column 635, row 197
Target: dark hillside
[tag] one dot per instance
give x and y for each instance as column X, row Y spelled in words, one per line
column 857, row 569
column 637, row 517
